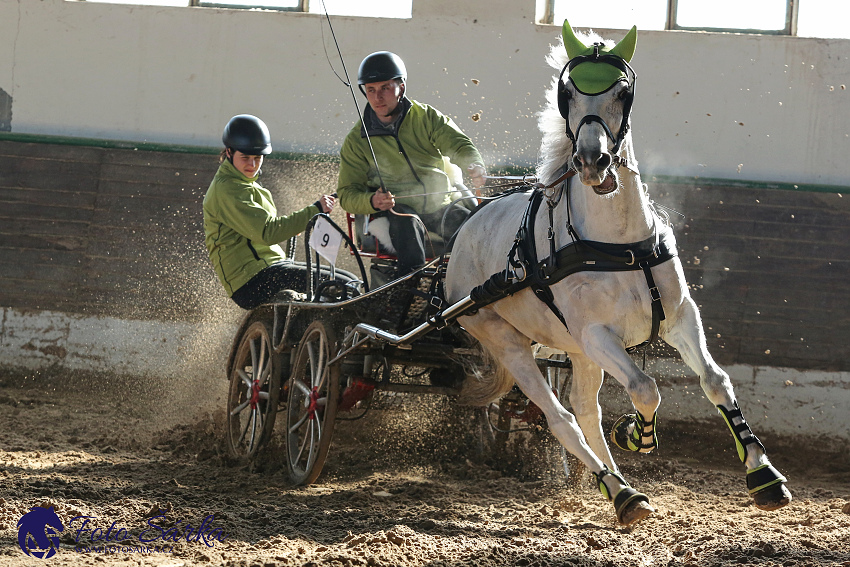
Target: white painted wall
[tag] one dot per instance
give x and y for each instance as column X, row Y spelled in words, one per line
column 714, row 105
column 779, row 400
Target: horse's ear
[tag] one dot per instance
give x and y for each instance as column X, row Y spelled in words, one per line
column 573, row 45
column 626, row 47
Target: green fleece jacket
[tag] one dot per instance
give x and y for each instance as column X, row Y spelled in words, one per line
column 410, row 157
column 242, row 229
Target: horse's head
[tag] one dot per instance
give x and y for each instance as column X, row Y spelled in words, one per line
column 594, row 96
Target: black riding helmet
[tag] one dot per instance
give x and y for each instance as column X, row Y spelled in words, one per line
column 379, row 67
column 247, row 134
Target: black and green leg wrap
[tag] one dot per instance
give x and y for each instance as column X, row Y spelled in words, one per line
column 632, row 433
column 762, row 478
column 742, row 433
column 624, row 497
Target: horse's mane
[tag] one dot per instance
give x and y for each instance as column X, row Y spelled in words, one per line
column 555, row 149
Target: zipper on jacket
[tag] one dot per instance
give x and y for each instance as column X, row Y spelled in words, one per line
column 413, row 171
column 253, row 251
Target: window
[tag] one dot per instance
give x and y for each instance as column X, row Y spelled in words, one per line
column 810, row 18
column 755, row 16
column 609, row 14
column 822, row 18
column 364, row 8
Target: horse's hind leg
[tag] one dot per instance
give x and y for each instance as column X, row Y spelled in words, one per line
column 765, row 483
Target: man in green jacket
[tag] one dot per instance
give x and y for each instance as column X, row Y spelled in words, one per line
column 410, row 186
column 241, row 226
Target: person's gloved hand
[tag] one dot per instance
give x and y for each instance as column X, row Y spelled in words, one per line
column 477, row 174
column 326, row 203
column 382, row 201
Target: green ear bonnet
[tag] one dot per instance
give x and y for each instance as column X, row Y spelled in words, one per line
column 594, row 70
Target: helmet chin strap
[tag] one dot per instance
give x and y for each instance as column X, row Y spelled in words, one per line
column 397, row 108
column 396, row 111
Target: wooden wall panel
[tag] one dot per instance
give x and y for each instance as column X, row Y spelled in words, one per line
column 119, row 232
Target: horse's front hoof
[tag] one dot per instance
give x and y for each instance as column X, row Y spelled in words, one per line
column 635, row 511
column 632, row 506
column 772, row 498
column 632, row 433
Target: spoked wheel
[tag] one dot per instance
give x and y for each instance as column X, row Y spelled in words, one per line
column 312, row 404
column 254, row 392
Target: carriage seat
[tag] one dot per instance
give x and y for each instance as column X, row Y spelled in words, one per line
column 435, row 245
column 369, row 246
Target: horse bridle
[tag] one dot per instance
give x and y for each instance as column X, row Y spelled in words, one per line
column 564, row 98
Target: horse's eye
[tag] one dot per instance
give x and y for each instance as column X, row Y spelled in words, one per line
column 623, row 94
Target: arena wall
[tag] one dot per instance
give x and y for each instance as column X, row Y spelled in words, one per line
column 731, row 106
column 102, row 265
column 103, row 268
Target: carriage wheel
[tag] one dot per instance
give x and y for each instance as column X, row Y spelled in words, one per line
column 311, row 408
column 254, row 392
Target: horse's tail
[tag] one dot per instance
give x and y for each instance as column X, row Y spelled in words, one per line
column 487, row 379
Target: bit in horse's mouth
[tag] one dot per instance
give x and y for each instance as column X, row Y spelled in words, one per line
column 607, row 186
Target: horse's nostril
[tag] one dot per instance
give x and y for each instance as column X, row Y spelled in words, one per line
column 577, row 162
column 603, row 162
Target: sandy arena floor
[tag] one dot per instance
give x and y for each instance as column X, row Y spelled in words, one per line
column 401, row 488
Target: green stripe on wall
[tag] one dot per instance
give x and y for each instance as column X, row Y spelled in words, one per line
column 744, row 184
column 149, row 146
column 333, row 158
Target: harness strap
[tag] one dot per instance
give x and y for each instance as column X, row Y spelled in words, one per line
column 657, row 308
column 536, row 271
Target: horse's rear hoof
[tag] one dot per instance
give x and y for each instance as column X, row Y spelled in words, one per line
column 635, row 511
column 767, row 485
column 772, row 498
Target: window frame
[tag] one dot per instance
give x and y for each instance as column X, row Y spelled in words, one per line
column 670, row 24
column 791, row 9
column 303, row 6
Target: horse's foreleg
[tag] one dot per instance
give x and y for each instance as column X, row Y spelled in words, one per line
column 764, row 482
column 584, row 398
column 633, row 432
column 629, row 504
column 512, row 349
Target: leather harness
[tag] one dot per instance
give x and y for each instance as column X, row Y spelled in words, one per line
column 577, row 256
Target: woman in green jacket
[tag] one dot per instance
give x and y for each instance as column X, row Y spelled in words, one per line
column 410, row 140
column 241, row 225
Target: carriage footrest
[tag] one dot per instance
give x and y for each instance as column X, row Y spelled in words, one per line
column 354, row 393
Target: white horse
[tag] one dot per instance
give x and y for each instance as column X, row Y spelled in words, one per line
column 585, row 127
